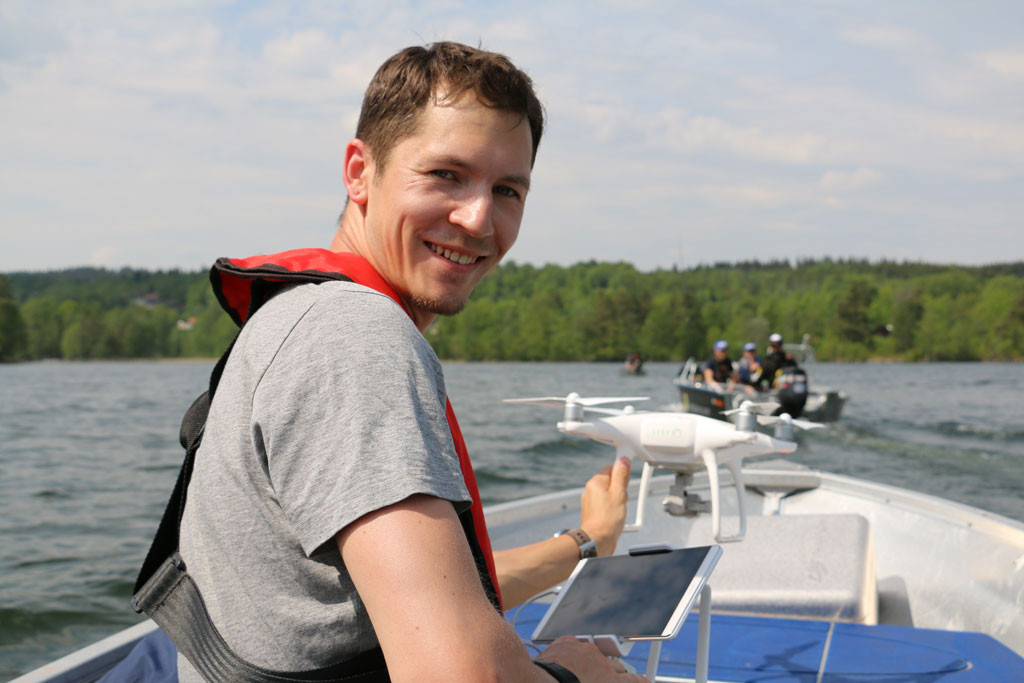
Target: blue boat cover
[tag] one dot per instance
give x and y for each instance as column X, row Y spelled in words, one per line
column 748, row 649
column 756, row 649
column 153, row 660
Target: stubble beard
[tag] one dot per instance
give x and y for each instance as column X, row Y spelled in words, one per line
column 440, row 305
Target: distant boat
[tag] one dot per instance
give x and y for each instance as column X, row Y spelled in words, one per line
column 819, row 405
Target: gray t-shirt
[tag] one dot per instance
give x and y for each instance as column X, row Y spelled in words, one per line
column 331, row 406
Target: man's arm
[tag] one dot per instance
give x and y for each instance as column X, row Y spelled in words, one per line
column 528, row 570
column 413, row 569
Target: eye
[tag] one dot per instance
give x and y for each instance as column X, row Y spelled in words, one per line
column 442, row 173
column 506, row 191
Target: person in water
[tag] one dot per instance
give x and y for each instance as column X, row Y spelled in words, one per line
column 634, row 363
column 329, row 512
column 750, row 368
column 718, row 369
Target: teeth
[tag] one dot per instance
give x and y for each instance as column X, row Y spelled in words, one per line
column 463, row 259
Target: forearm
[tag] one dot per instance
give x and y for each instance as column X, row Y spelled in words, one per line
column 528, row 570
column 523, row 572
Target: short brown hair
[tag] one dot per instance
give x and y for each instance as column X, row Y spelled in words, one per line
column 405, row 84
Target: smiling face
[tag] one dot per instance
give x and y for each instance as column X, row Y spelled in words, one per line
column 446, row 206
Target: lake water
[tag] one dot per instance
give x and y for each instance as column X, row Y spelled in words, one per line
column 89, row 454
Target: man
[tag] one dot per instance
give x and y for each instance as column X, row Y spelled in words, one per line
column 718, row 368
column 750, row 369
column 327, row 510
column 777, row 359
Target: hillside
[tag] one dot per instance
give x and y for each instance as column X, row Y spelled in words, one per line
column 853, row 310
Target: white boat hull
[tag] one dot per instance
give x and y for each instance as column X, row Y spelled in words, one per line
column 819, row 548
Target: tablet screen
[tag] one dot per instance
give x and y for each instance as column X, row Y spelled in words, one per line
column 628, row 596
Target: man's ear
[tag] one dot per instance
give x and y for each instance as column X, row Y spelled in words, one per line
column 357, row 170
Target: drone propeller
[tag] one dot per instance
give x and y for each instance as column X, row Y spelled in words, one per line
column 750, row 414
column 788, row 419
column 573, row 405
column 574, row 398
column 760, row 408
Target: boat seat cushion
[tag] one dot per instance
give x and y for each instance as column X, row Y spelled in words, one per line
column 805, row 566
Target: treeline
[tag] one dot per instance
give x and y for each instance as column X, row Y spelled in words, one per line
column 90, row 313
column 852, row 310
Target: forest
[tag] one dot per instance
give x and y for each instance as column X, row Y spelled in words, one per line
column 853, row 311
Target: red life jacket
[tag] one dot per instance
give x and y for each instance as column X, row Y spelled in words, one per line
column 243, row 285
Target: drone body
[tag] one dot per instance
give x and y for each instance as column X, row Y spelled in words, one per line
column 683, row 443
column 675, row 441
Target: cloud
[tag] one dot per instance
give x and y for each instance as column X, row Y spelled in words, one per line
column 882, row 36
column 850, row 181
column 751, row 195
column 1006, row 62
column 678, row 131
column 307, row 51
column 104, row 257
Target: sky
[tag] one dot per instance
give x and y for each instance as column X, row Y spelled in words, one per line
column 164, row 134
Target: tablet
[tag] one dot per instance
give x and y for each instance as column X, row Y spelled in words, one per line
column 641, row 596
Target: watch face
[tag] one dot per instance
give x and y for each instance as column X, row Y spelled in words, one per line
column 588, row 549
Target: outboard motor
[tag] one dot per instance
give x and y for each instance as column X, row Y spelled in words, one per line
column 791, row 391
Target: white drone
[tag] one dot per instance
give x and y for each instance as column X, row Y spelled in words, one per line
column 683, row 443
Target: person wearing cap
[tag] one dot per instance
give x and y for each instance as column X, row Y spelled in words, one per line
column 777, row 359
column 718, row 369
column 750, row 368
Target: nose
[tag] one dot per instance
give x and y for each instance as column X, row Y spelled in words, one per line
column 474, row 213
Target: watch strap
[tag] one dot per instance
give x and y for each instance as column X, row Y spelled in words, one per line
column 586, row 544
column 559, row 672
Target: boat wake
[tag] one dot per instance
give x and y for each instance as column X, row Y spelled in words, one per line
column 958, row 429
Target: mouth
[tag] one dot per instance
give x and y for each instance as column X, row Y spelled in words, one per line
column 453, row 256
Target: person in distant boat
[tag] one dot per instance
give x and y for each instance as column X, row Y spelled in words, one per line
column 332, row 518
column 719, row 373
column 776, row 361
column 750, row 368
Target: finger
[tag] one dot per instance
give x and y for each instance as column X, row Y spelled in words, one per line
column 620, row 473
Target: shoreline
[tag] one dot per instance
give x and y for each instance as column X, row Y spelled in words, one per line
column 881, row 360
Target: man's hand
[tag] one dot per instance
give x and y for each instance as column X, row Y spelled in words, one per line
column 587, row 662
column 528, row 570
column 603, row 507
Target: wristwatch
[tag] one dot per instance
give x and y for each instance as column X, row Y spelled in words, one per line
column 587, row 546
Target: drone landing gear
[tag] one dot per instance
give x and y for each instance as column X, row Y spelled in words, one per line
column 681, row 503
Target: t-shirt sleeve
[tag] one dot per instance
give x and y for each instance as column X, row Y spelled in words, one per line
column 351, row 416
